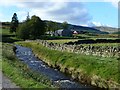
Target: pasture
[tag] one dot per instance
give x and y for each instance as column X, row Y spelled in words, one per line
column 62, row 41
column 8, row 37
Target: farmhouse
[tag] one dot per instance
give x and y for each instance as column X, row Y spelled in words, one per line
column 75, row 32
column 63, row 32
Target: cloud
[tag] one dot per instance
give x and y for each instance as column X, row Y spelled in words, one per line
column 73, row 12
column 113, row 2
column 22, row 15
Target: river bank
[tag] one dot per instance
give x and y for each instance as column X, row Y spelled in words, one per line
column 37, row 65
column 19, row 73
column 90, row 72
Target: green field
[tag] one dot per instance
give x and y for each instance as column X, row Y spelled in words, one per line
column 86, row 65
column 102, row 44
column 101, row 36
column 8, row 37
column 5, row 32
column 62, row 41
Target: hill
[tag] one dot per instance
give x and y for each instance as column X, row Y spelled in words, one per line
column 95, row 30
column 107, row 29
column 81, row 28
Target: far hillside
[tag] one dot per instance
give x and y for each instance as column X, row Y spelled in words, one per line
column 70, row 27
column 107, row 29
column 81, row 28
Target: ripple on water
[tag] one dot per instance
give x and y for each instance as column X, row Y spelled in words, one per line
column 26, row 55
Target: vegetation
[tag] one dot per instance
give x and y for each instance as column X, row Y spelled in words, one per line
column 88, row 66
column 8, row 37
column 51, row 26
column 97, row 36
column 23, row 31
column 65, row 25
column 103, row 44
column 31, row 29
column 34, row 28
column 62, row 41
column 14, row 23
column 20, row 73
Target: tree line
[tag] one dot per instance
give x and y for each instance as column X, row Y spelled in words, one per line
column 34, row 27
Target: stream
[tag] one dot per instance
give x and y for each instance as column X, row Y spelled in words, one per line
column 26, row 55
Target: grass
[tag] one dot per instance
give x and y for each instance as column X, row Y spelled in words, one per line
column 5, row 32
column 100, row 36
column 19, row 73
column 61, row 41
column 8, row 37
column 102, row 44
column 106, row 68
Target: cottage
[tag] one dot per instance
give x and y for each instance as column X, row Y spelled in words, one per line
column 63, row 32
column 75, row 32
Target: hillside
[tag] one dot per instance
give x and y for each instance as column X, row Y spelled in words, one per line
column 81, row 28
column 96, row 30
column 107, row 29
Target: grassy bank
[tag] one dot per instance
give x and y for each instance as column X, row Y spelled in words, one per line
column 98, row 71
column 19, row 73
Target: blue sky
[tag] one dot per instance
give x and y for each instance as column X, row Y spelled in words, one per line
column 103, row 12
column 78, row 13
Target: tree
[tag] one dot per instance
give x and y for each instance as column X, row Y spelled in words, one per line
column 55, row 27
column 23, row 31
column 31, row 29
column 49, row 26
column 65, row 25
column 52, row 26
column 28, row 17
column 14, row 23
column 37, row 27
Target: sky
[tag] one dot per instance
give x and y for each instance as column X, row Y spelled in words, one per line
column 77, row 12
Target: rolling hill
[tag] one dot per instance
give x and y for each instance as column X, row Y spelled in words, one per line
column 81, row 28
column 107, row 29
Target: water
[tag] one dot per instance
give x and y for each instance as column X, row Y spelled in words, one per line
column 25, row 54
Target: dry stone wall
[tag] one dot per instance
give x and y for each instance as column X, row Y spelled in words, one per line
column 104, row 51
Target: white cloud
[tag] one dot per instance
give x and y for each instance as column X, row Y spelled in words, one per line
column 113, row 2
column 74, row 12
column 60, row 10
column 22, row 15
